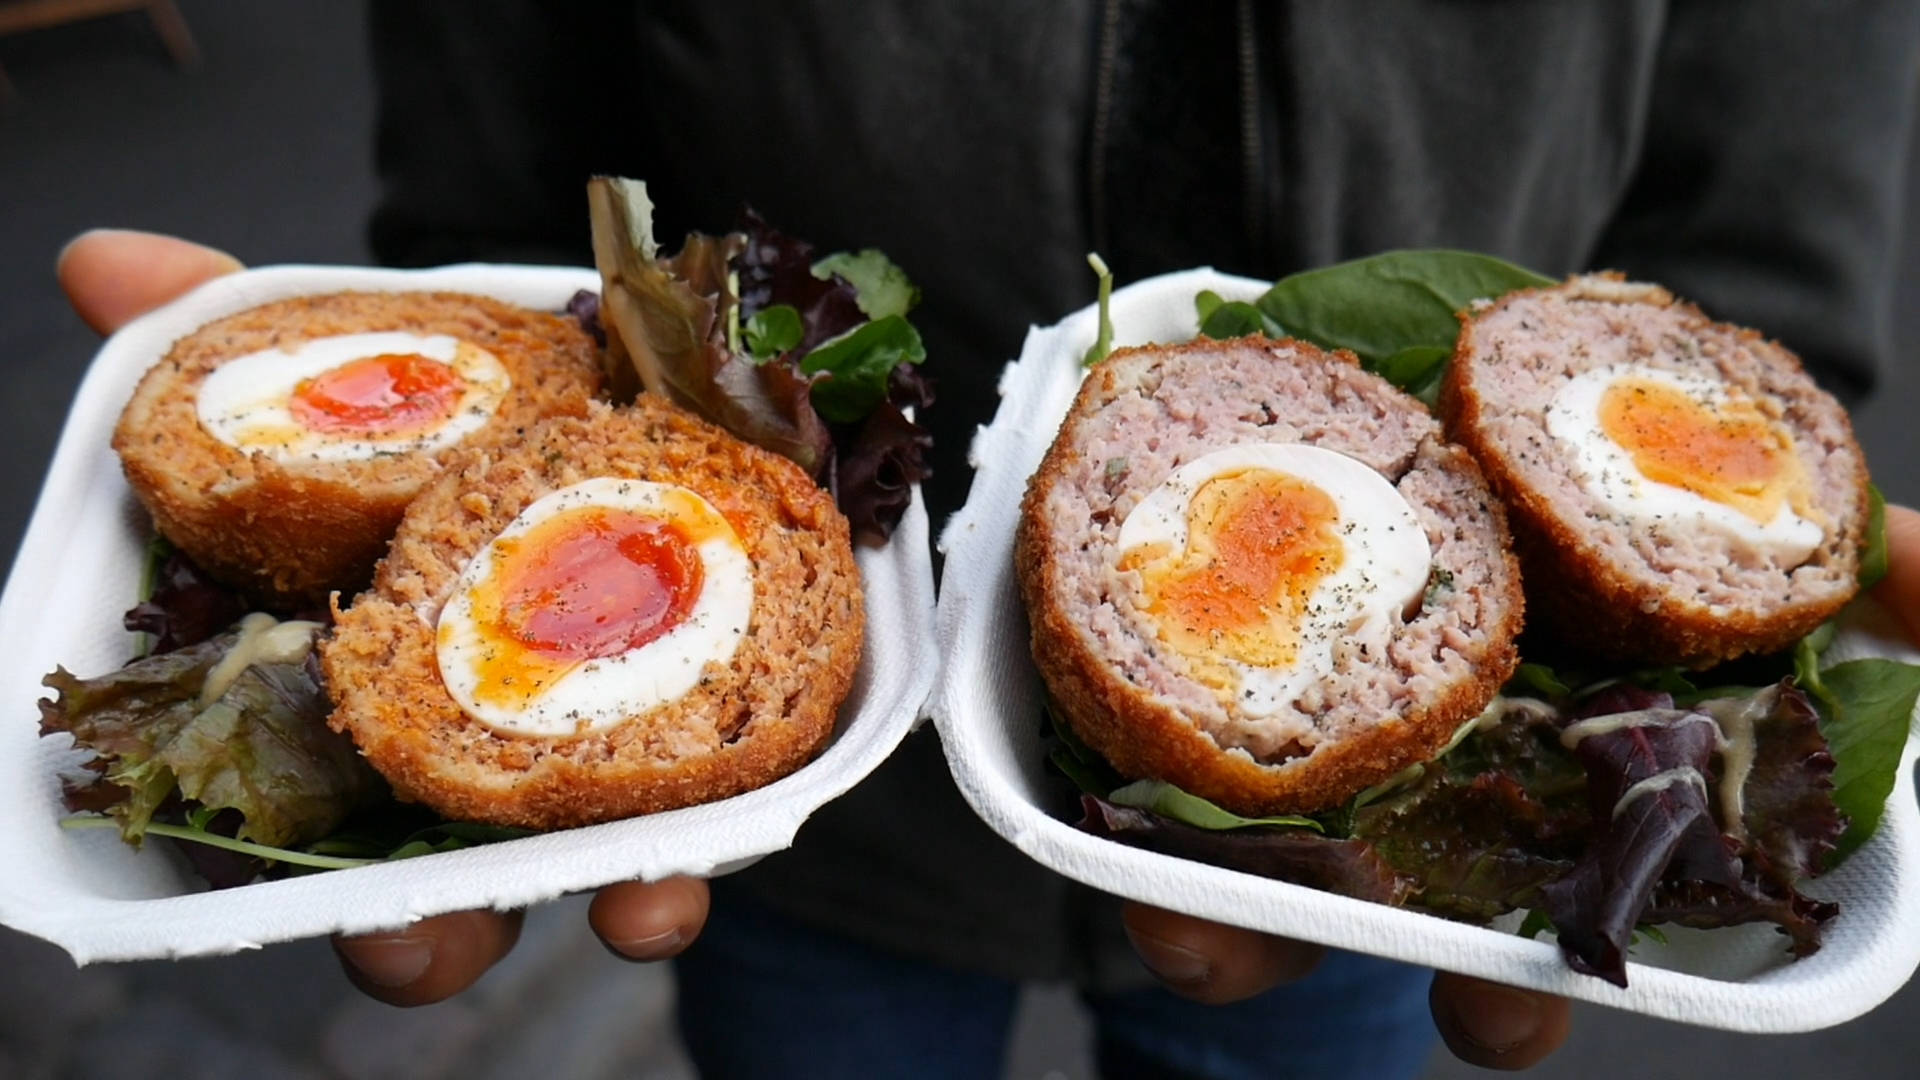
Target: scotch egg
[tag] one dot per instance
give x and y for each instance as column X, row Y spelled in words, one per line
column 1254, row 570
column 1680, row 490
column 616, row 614
column 1681, row 450
column 600, row 602
column 349, row 397
column 1255, row 562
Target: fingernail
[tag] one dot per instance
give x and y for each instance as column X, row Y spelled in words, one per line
column 392, row 962
column 654, row 947
column 1497, row 1019
column 1172, row 963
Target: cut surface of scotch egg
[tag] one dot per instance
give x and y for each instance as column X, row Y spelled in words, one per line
column 598, row 603
column 1684, row 450
column 1255, row 563
column 352, row 397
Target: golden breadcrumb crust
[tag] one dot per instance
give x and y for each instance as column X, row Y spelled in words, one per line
column 747, row 723
column 1143, row 736
column 289, row 535
column 1590, row 602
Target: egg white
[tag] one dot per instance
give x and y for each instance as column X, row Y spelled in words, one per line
column 244, row 402
column 600, row 693
column 1384, row 571
column 1606, row 471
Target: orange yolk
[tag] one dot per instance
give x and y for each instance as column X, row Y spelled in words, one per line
column 583, row 585
column 1730, row 453
column 1258, row 543
column 394, row 394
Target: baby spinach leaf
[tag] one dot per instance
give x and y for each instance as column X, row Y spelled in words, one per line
column 1392, row 309
column 1869, row 706
column 772, row 331
column 881, row 288
column 1417, row 370
column 1223, row 319
column 858, row 363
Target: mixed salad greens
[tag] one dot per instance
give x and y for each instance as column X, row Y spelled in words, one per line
column 812, row 358
column 1516, row 814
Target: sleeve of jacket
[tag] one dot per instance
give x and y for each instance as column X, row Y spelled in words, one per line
column 491, row 115
column 1771, row 183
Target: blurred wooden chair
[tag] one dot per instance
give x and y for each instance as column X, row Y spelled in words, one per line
column 168, row 23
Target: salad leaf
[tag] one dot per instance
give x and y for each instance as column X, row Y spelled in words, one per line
column 1169, row 801
column 1869, row 710
column 1348, row 867
column 1649, row 828
column 1394, row 310
column 1223, row 319
column 874, row 478
column 260, row 747
column 668, row 319
column 880, row 287
column 773, row 330
column 182, row 605
column 858, row 365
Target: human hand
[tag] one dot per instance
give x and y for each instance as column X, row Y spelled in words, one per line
column 1483, row 1023
column 112, row 277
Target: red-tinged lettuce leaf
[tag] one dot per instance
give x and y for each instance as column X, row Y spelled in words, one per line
column 184, row 606
column 669, row 319
column 873, row 480
column 1789, row 820
column 584, row 306
column 1298, row 856
column 1645, row 830
column 776, row 268
column 1489, row 824
column 262, row 748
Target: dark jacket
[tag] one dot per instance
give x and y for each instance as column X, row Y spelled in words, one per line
column 1748, row 155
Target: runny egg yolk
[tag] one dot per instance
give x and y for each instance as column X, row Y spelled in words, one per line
column 1256, row 568
column 1729, row 452
column 1664, row 450
column 585, row 584
column 379, row 395
column 352, row 397
column 1259, row 544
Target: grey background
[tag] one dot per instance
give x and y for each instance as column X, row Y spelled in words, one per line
column 265, row 151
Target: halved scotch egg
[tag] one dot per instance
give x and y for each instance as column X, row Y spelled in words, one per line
column 619, row 613
column 278, row 446
column 1680, row 490
column 1256, row 571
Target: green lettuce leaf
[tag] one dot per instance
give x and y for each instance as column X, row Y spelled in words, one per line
column 881, row 288
column 858, row 364
column 1167, row 800
column 772, row 331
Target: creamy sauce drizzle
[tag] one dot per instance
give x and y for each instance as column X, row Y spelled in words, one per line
column 1658, row 782
column 1737, row 749
column 263, row 640
column 1606, row 725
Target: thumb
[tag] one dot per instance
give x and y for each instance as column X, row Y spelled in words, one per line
column 112, row 276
